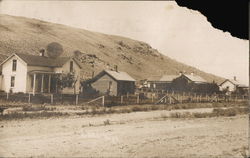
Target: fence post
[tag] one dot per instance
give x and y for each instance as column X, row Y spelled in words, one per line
column 152, row 98
column 103, row 100
column 137, row 101
column 191, row 97
column 121, row 99
column 51, row 99
column 76, row 99
column 7, row 96
column 170, row 100
column 29, row 98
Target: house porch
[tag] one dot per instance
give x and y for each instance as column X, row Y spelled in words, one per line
column 42, row 82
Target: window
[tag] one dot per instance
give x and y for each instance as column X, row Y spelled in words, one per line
column 12, row 81
column 71, row 66
column 14, row 62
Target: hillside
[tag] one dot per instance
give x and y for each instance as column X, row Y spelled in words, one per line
column 140, row 60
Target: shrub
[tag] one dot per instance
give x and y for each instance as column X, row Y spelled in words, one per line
column 106, row 122
column 37, row 108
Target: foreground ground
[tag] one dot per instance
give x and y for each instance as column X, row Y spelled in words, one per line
column 136, row 134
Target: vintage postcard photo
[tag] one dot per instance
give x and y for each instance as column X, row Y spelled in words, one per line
column 120, row 79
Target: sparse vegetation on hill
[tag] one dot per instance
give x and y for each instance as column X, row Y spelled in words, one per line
column 96, row 51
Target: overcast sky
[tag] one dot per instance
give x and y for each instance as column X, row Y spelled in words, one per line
column 180, row 33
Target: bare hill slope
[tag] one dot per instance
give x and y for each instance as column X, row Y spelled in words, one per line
column 140, row 60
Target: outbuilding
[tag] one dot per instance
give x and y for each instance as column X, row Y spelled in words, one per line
column 114, row 83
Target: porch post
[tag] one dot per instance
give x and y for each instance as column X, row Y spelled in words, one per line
column 42, row 83
column 34, row 84
column 49, row 83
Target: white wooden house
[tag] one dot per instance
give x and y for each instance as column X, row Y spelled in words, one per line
column 36, row 74
column 232, row 85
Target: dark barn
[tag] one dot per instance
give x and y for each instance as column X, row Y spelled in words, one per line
column 114, row 83
column 193, row 83
column 168, row 80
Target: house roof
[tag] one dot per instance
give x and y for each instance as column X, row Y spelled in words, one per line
column 41, row 72
column 195, row 78
column 168, row 78
column 35, row 60
column 119, row 75
column 154, row 78
column 235, row 82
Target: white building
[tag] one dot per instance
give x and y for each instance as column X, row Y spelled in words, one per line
column 232, row 85
column 36, row 74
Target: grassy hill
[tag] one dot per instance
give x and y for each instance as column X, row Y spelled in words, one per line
column 140, row 60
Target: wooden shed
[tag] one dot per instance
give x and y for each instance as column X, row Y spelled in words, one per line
column 114, row 83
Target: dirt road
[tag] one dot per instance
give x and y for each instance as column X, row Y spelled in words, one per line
column 140, row 134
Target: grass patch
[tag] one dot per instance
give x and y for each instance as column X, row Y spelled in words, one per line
column 38, row 108
column 215, row 113
column 43, row 114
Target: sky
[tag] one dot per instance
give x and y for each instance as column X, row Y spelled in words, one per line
column 177, row 32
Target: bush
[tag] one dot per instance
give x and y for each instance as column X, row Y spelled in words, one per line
column 106, row 122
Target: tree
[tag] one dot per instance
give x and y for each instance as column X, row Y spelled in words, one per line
column 65, row 80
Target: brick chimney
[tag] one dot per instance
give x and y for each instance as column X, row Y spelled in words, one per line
column 116, row 68
column 234, row 78
column 42, row 52
column 180, row 73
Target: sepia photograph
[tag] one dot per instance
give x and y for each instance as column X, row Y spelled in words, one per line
column 123, row 79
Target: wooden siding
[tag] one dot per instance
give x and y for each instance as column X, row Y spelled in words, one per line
column 102, row 85
column 125, row 87
column 20, row 75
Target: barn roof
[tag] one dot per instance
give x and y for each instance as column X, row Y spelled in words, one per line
column 119, row 75
column 168, row 78
column 195, row 78
column 35, row 60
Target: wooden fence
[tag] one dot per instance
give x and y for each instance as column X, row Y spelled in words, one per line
column 140, row 98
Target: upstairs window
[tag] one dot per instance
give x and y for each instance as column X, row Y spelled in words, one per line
column 14, row 62
column 12, row 81
column 71, row 66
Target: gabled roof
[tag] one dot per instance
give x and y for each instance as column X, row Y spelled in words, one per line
column 235, row 82
column 154, row 78
column 119, row 75
column 195, row 78
column 35, row 60
column 168, row 78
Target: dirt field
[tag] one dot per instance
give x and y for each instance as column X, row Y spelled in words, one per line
column 137, row 134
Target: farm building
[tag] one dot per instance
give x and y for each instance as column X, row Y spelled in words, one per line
column 37, row 74
column 193, row 83
column 160, row 84
column 233, row 86
column 168, row 80
column 153, row 84
column 113, row 83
